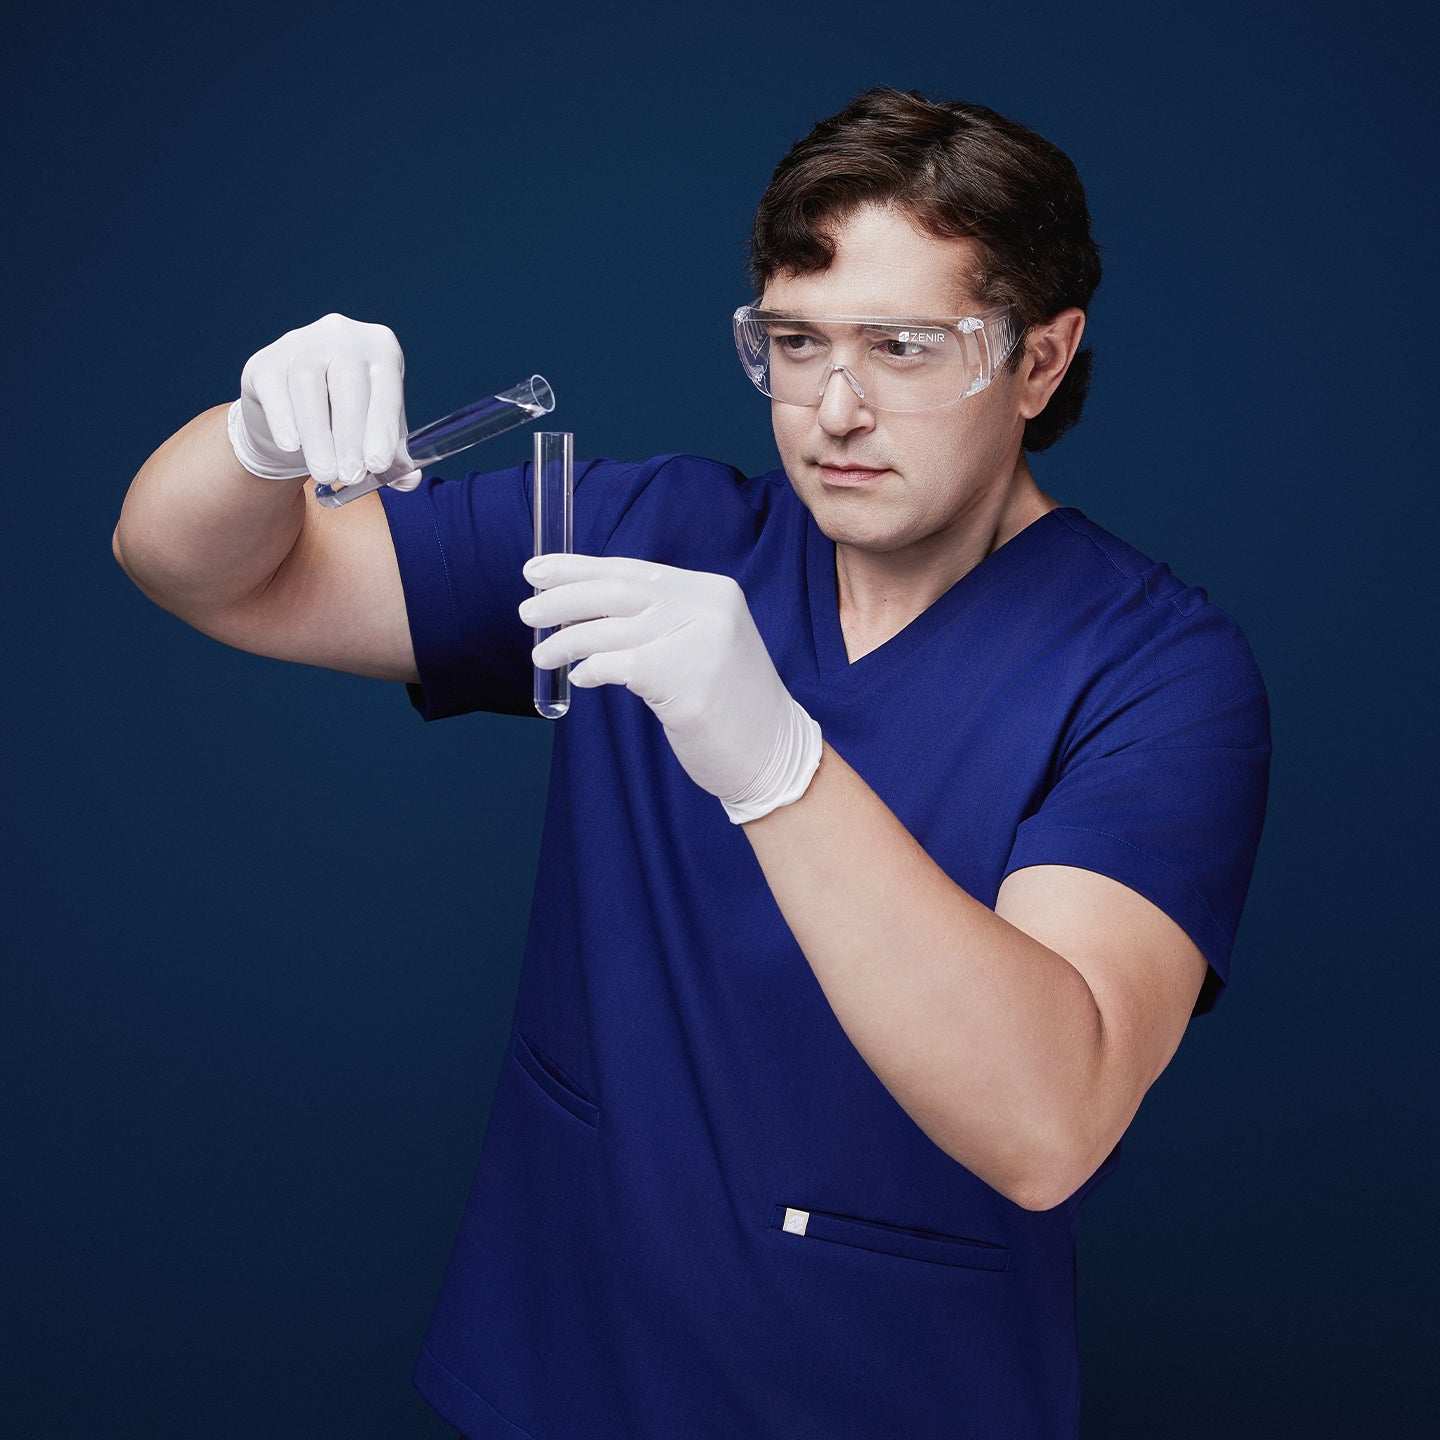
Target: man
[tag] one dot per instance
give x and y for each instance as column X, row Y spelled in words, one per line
column 805, row 1087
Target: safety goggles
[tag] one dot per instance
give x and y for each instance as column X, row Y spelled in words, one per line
column 891, row 364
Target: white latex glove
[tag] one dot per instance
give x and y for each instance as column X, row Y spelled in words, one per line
column 684, row 642
column 326, row 400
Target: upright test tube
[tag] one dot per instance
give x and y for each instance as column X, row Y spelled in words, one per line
column 554, row 534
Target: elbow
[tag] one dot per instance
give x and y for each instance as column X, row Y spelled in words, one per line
column 135, row 556
column 1042, row 1192
column 129, row 562
column 1045, row 1172
column 117, row 550
column 1065, row 1158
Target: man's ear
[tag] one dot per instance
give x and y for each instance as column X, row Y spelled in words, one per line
column 1049, row 349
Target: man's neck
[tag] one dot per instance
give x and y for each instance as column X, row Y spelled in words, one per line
column 880, row 593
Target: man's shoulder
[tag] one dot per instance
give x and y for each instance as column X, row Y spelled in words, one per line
column 1134, row 578
column 1124, row 568
column 1142, row 615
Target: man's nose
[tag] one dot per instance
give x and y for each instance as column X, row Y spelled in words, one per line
column 844, row 407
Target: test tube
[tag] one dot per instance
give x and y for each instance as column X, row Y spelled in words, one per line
column 554, row 533
column 451, row 434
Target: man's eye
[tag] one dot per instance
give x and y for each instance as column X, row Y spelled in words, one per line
column 795, row 346
column 903, row 350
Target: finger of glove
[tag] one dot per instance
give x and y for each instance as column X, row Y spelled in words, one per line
column 592, row 637
column 385, row 420
column 348, row 381
column 546, row 571
column 613, row 667
column 277, row 416
column 310, row 400
column 567, row 604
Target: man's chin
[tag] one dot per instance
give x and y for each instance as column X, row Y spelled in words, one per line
column 864, row 533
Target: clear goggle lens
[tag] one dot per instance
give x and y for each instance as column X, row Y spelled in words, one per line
column 890, row 363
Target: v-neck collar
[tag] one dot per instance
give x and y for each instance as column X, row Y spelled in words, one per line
column 831, row 659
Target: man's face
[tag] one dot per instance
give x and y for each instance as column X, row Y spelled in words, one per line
column 882, row 481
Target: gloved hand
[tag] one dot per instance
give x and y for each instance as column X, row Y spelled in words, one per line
column 327, row 400
column 684, row 642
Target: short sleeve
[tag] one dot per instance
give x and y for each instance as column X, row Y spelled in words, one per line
column 1163, row 784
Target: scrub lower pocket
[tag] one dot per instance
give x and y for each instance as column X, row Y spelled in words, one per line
column 922, row 1245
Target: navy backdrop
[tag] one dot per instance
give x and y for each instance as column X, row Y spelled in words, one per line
column 262, row 927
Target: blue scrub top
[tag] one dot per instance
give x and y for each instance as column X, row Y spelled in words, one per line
column 697, row 1211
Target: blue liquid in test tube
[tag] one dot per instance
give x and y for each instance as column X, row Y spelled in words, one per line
column 554, row 533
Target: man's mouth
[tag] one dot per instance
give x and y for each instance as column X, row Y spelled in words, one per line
column 848, row 473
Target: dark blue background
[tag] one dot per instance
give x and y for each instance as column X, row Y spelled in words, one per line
column 263, row 927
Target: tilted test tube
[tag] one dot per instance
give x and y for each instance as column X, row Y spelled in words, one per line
column 451, row 434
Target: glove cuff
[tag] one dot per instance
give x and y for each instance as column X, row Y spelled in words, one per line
column 276, row 466
column 786, row 775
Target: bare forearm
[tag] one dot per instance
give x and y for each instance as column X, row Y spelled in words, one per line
column 199, row 534
column 991, row 1041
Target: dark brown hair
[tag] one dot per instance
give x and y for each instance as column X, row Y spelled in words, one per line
column 958, row 171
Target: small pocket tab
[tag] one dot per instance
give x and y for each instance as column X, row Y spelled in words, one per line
column 795, row 1221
